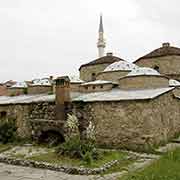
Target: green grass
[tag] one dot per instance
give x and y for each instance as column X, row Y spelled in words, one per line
column 5, row 147
column 52, row 157
column 167, row 168
column 120, row 166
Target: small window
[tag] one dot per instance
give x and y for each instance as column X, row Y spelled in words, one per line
column 86, row 87
column 93, row 76
column 101, row 86
column 94, row 87
column 156, row 68
column 3, row 114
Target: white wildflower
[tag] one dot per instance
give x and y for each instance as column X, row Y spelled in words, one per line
column 90, row 131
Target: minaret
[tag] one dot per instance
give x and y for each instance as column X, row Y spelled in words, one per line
column 101, row 42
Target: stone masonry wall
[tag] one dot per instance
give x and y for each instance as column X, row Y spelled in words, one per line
column 15, row 91
column 23, row 114
column 168, row 65
column 112, row 75
column 87, row 71
column 20, row 114
column 143, row 82
column 135, row 125
column 39, row 89
column 96, row 88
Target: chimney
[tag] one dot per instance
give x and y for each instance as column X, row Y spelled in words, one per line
column 109, row 54
column 62, row 97
column 167, row 44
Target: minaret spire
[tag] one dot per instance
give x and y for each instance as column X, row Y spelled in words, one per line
column 101, row 29
column 101, row 42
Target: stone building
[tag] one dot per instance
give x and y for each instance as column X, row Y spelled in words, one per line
column 3, row 90
column 164, row 59
column 89, row 71
column 17, row 89
column 96, row 86
column 40, row 86
column 131, row 106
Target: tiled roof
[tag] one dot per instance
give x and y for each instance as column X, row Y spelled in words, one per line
column 165, row 50
column 103, row 60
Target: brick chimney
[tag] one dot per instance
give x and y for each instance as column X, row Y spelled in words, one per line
column 62, row 97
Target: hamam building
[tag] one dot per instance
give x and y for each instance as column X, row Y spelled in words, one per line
column 130, row 106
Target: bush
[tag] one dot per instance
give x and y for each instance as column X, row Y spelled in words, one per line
column 7, row 131
column 76, row 148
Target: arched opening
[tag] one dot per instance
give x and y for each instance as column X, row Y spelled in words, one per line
column 3, row 115
column 51, row 137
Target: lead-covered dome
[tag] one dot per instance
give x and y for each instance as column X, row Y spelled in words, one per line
column 121, row 66
column 143, row 71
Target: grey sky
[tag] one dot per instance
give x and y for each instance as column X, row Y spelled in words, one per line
column 54, row 37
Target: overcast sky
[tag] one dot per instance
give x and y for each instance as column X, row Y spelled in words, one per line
column 39, row 38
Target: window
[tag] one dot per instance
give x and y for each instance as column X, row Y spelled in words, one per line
column 93, row 76
column 156, row 68
column 101, row 86
column 86, row 87
column 94, row 87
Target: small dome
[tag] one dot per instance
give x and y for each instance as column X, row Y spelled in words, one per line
column 43, row 82
column 75, row 79
column 174, row 83
column 19, row 85
column 143, row 71
column 121, row 66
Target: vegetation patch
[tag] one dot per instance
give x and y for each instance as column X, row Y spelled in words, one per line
column 5, row 147
column 7, row 131
column 166, row 168
column 53, row 157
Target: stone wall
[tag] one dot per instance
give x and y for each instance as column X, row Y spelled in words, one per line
column 3, row 90
column 15, row 91
column 39, row 89
column 19, row 113
column 112, row 75
column 75, row 87
column 141, row 82
column 96, row 88
column 168, row 65
column 136, row 125
column 27, row 115
column 87, row 71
